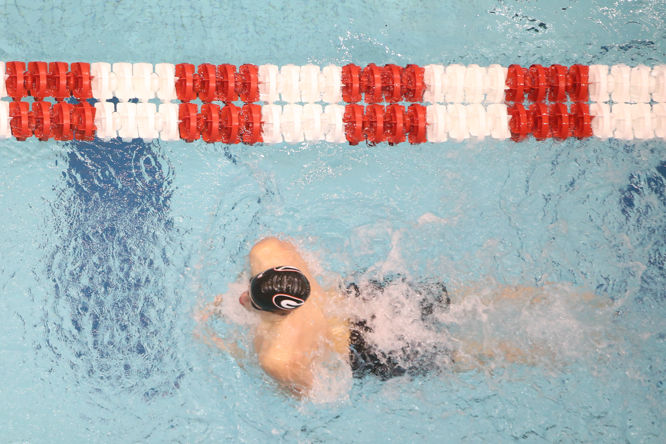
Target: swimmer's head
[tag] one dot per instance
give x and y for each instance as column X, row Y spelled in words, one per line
column 279, row 289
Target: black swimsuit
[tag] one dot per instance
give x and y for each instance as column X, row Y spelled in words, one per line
column 366, row 359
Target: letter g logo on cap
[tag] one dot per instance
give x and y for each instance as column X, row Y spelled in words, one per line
column 287, row 302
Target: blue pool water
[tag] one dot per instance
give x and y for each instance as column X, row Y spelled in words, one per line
column 108, row 248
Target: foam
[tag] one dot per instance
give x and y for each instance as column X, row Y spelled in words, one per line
column 488, row 324
column 332, row 381
column 551, row 326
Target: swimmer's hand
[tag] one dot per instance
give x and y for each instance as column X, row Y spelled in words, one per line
column 203, row 314
column 207, row 335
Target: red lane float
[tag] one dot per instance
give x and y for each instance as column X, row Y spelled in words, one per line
column 544, row 121
column 40, row 120
column 392, row 124
column 210, row 123
column 226, row 83
column 371, row 83
column 519, row 122
column 395, row 124
column 187, row 122
column 559, row 120
column 373, row 124
column 351, row 83
column 353, row 121
column 413, row 84
column 57, row 81
column 185, row 90
column 62, row 121
column 538, row 83
column 578, row 82
column 15, row 80
column 211, row 83
column 250, row 124
column 78, row 81
column 247, row 83
column 515, row 83
column 416, row 116
column 540, row 122
column 206, row 82
column 557, row 79
column 392, row 83
column 582, row 120
column 83, row 120
column 553, row 83
column 37, row 80
column 230, row 122
column 19, row 113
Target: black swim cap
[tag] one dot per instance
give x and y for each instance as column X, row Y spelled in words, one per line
column 279, row 289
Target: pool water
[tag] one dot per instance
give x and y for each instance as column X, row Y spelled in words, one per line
column 108, row 248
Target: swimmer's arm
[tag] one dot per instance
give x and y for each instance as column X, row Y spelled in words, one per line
column 208, row 310
column 289, row 372
column 208, row 336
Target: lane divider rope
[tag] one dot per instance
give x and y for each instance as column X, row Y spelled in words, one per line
column 350, row 104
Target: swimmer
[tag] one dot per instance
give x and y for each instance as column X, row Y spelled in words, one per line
column 294, row 333
column 297, row 332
